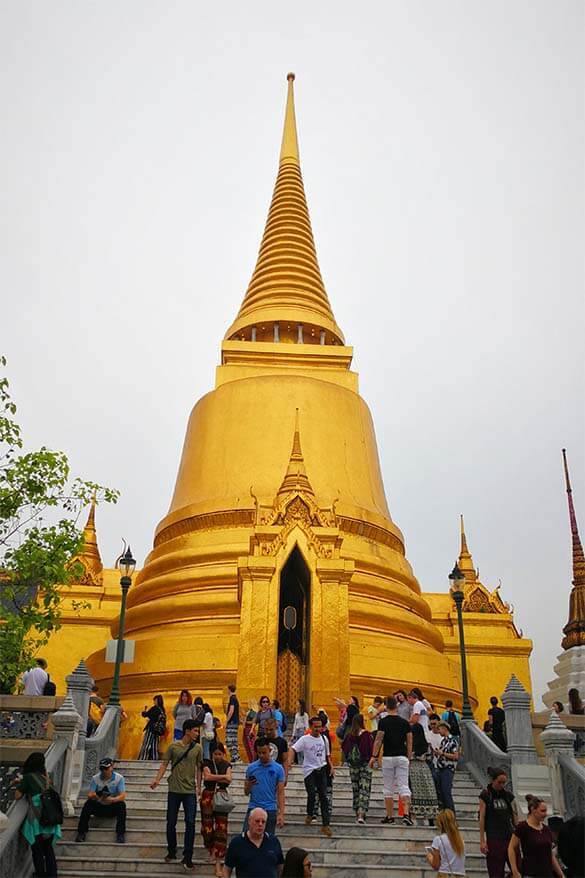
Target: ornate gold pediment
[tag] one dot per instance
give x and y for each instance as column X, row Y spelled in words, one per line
column 479, row 599
column 295, row 505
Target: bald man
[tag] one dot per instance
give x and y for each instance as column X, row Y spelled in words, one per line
column 254, row 853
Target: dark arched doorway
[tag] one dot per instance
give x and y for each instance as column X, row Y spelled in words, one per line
column 293, row 632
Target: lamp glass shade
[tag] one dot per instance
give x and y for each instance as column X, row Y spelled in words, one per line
column 456, row 579
column 127, row 564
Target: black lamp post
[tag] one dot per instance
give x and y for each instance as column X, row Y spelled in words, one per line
column 457, row 579
column 126, row 565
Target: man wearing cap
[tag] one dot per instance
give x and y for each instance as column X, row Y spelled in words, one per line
column 107, row 792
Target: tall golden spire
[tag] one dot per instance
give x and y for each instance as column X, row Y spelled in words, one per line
column 296, row 478
column 574, row 630
column 286, row 288
column 90, row 554
column 465, row 561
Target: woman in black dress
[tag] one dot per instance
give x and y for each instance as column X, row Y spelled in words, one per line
column 154, row 728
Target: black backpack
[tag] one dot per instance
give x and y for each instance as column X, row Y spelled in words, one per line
column 453, row 723
column 51, row 808
column 159, row 725
column 49, row 688
column 199, row 715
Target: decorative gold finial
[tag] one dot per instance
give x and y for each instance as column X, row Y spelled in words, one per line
column 574, row 630
column 296, row 478
column 90, row 557
column 289, row 151
column 465, row 561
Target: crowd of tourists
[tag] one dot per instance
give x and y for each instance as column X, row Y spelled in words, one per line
column 416, row 748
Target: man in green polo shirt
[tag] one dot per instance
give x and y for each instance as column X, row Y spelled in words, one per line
column 185, row 757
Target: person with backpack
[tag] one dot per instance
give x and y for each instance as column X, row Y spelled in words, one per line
column 107, row 791
column 497, row 819
column 42, row 826
column 184, row 788
column 451, row 717
column 154, row 729
column 357, row 749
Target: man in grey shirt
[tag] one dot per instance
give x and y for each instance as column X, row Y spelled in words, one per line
column 404, row 708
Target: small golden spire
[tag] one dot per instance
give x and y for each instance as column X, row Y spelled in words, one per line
column 296, row 478
column 90, row 556
column 289, row 151
column 465, row 561
column 574, row 630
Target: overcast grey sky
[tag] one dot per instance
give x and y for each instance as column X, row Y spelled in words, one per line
column 442, row 148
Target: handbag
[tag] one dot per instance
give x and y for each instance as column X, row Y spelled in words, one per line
column 222, row 801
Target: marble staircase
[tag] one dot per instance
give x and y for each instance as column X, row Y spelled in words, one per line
column 370, row 850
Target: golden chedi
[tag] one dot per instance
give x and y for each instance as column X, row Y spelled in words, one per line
column 278, row 565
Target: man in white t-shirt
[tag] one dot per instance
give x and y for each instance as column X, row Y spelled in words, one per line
column 36, row 678
column 316, row 764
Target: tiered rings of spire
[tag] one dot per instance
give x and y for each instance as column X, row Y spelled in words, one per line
column 574, row 630
column 286, row 298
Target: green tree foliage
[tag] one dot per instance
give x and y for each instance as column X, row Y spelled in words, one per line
column 36, row 555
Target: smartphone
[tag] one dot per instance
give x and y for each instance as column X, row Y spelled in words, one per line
column 252, row 779
column 428, row 849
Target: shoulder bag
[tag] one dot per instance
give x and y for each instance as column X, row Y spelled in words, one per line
column 222, row 801
column 182, row 756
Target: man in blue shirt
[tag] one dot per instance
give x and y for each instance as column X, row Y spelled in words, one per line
column 107, row 792
column 254, row 853
column 264, row 783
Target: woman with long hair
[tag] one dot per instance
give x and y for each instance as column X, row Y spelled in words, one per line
column 497, row 819
column 357, row 749
column 424, row 804
column 248, row 730
column 217, row 773
column 533, row 840
column 154, row 728
column 297, row 864
column 41, row 839
column 447, row 851
column 182, row 710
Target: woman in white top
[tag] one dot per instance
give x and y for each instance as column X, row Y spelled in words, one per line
column 419, row 711
column 300, row 726
column 447, row 852
column 207, row 731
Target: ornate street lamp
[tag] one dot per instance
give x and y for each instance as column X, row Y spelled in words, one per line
column 457, row 579
column 126, row 565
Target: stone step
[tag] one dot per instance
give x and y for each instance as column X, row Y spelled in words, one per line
column 293, row 793
column 156, row 820
column 138, row 845
column 153, row 809
column 401, row 861
column 351, row 832
column 71, row 869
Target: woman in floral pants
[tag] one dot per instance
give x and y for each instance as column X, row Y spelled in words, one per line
column 357, row 748
column 217, row 773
